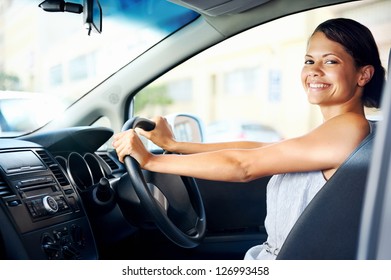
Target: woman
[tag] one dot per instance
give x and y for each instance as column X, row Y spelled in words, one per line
column 342, row 73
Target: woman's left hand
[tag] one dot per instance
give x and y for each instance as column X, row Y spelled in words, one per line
column 129, row 143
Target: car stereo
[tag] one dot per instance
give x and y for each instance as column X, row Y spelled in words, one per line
column 43, row 207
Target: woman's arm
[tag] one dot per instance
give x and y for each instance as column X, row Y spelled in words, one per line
column 325, row 148
column 163, row 137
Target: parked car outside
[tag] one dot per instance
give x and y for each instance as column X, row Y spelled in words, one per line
column 24, row 112
column 225, row 130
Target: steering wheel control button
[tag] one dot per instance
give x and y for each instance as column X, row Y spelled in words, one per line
column 50, row 204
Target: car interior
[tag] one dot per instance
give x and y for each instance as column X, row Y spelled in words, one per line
column 64, row 195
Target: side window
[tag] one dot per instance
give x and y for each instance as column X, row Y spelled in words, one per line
column 249, row 86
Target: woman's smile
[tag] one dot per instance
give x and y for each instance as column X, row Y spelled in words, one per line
column 318, row 85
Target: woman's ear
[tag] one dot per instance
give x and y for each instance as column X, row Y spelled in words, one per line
column 367, row 72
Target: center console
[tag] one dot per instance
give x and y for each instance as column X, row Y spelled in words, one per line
column 42, row 214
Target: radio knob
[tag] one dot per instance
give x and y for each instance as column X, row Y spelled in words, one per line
column 50, row 204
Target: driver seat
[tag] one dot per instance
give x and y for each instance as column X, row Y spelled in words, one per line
column 328, row 229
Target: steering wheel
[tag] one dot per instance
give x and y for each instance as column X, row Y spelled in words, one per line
column 191, row 228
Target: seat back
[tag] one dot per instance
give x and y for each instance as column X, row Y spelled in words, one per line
column 328, row 228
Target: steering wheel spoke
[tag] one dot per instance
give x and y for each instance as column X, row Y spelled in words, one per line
column 158, row 196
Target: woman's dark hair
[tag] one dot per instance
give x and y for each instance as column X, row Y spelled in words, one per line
column 358, row 41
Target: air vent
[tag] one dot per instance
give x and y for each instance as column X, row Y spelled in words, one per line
column 5, row 189
column 109, row 161
column 57, row 172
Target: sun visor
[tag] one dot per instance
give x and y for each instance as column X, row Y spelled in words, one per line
column 219, row 7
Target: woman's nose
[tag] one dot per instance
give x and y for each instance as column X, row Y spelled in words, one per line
column 314, row 70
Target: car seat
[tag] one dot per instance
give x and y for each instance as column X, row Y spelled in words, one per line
column 328, row 229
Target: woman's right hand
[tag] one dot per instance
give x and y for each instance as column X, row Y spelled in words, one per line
column 162, row 135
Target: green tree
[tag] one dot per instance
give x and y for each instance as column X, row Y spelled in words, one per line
column 157, row 95
column 9, row 82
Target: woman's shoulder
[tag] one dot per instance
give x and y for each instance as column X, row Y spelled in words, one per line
column 348, row 123
column 346, row 130
column 354, row 125
column 341, row 133
column 338, row 137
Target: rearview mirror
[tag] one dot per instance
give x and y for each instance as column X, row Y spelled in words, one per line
column 92, row 12
column 91, row 9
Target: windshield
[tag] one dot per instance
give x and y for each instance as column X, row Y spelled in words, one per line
column 51, row 53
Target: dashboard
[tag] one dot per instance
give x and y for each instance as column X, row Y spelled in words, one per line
column 56, row 189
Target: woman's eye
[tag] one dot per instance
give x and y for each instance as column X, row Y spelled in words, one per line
column 331, row 62
column 308, row 61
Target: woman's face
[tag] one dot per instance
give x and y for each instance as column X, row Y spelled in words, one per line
column 329, row 74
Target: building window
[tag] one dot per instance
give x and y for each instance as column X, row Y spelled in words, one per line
column 82, row 67
column 56, row 75
column 180, row 90
column 242, row 81
column 274, row 94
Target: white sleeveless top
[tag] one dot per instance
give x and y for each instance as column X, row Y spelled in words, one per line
column 287, row 197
